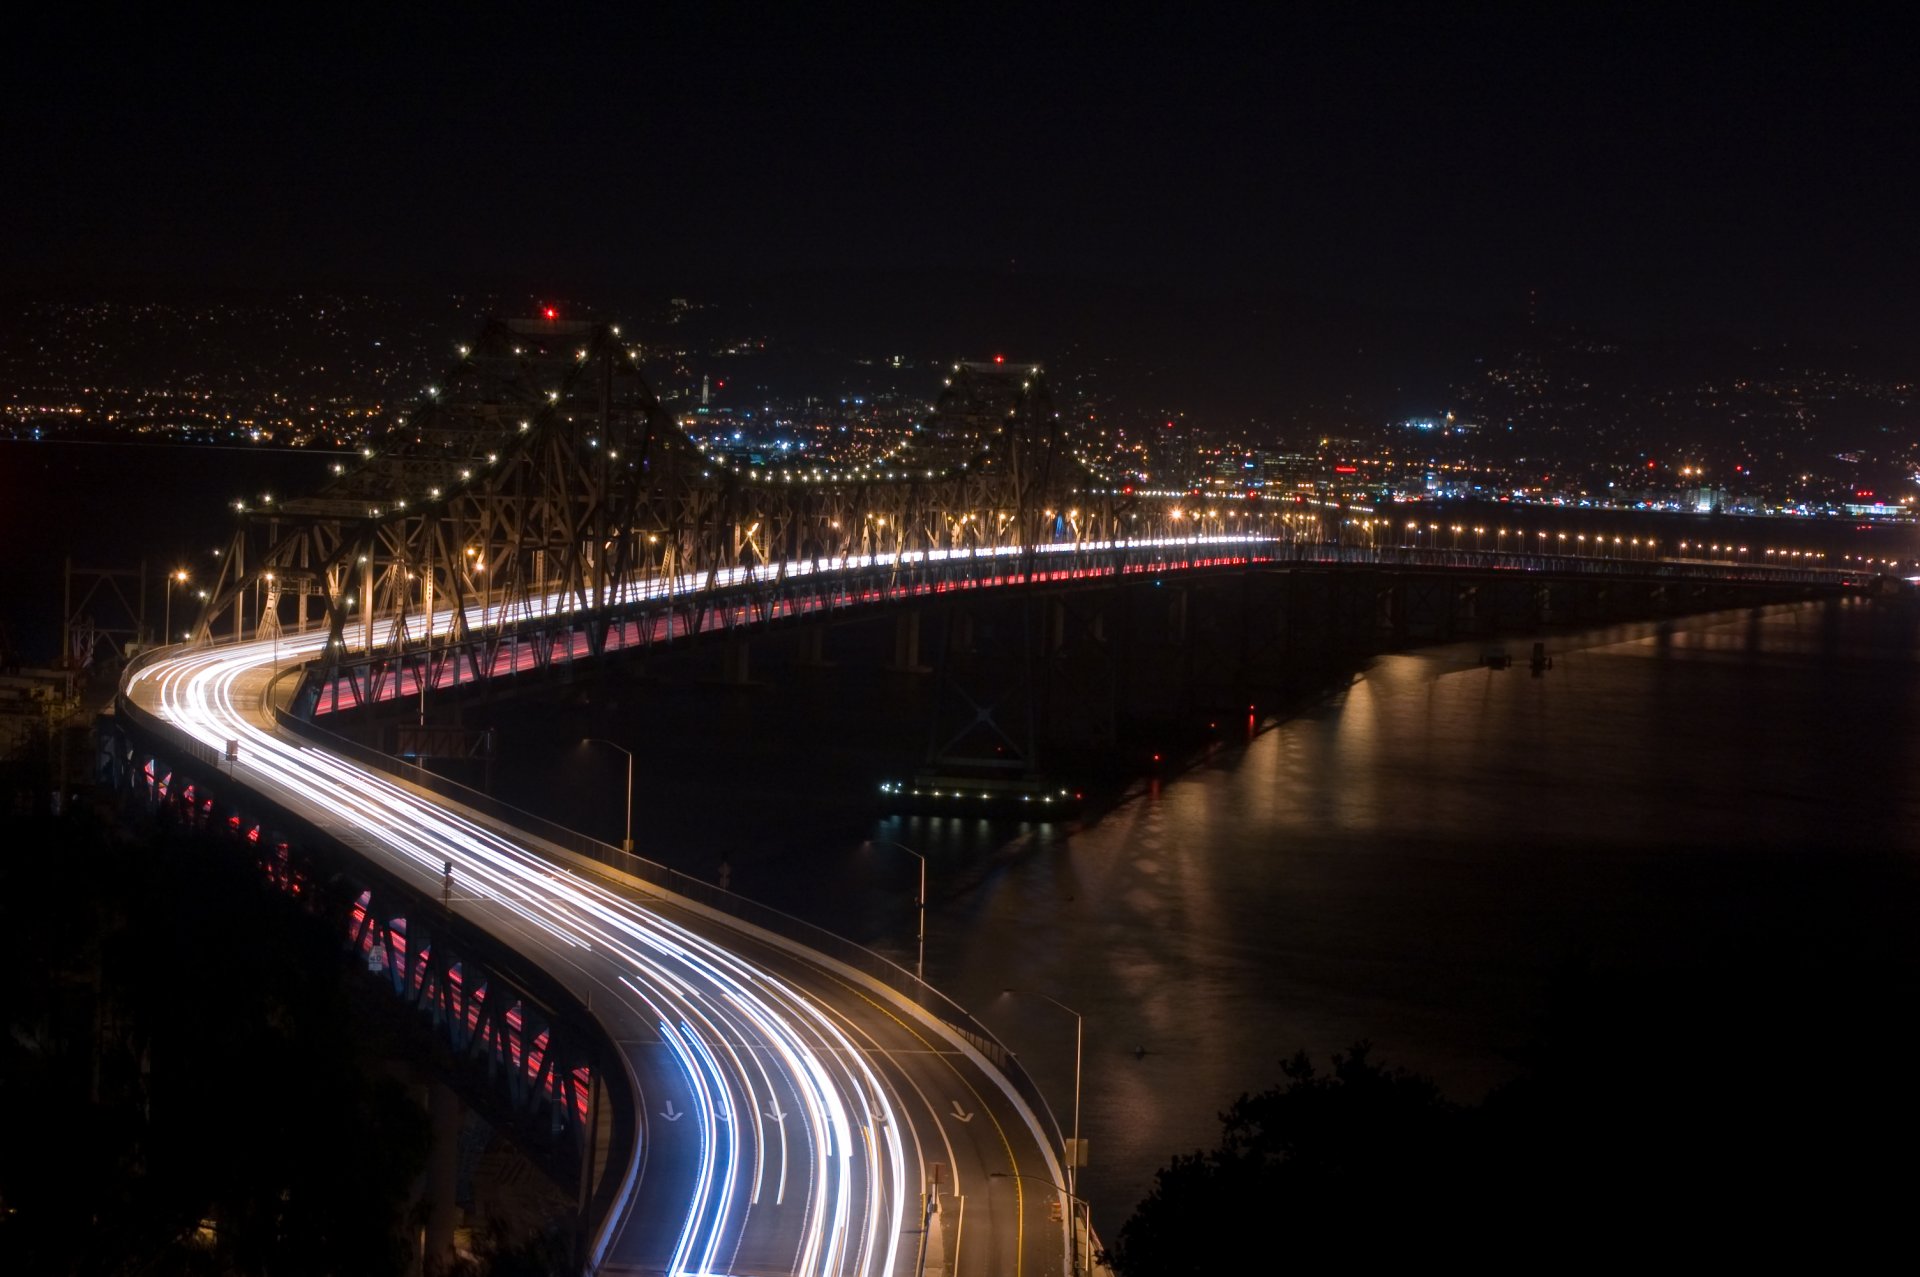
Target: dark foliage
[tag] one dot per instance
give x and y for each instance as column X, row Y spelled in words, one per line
column 1754, row 1109
column 179, row 1091
column 498, row 1252
column 1322, row 1152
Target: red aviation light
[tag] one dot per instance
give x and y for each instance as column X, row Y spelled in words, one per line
column 999, row 359
column 551, row 313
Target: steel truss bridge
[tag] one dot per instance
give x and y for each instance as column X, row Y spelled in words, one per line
column 736, row 1091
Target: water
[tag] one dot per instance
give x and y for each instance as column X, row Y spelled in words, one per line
column 1413, row 861
column 1410, row 862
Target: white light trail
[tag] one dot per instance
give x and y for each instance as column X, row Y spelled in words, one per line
column 742, row 1036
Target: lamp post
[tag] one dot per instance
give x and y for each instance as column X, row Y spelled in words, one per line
column 626, row 844
column 276, row 632
column 1079, row 1024
column 1064, row 1192
column 176, row 577
column 920, row 965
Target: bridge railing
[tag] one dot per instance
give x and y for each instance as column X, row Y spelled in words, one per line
column 533, row 1108
column 1565, row 564
column 673, row 882
column 125, row 706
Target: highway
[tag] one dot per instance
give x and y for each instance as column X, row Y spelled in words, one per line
column 792, row 1109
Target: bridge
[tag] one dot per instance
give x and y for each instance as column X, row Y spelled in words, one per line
column 732, row 1090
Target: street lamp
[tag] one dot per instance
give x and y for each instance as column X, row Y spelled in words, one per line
column 1081, row 1202
column 626, row 844
column 920, row 965
column 176, row 577
column 276, row 632
column 1079, row 1024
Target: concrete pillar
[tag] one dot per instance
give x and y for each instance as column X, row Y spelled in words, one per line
column 238, row 568
column 906, row 643
column 734, row 662
column 444, row 1116
column 812, row 654
column 366, row 603
column 962, row 632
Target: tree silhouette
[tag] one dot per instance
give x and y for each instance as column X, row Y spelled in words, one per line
column 179, row 1085
column 1751, row 1107
column 1320, row 1154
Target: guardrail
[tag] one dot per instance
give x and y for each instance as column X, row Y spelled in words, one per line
column 668, row 880
column 1568, row 564
column 673, row 882
column 920, row 579
column 524, row 982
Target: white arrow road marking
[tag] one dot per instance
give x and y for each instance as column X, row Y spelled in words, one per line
column 961, row 1113
column 670, row 1113
column 775, row 1112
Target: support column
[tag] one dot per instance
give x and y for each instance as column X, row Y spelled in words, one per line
column 906, row 643
column 366, row 602
column 812, row 653
column 961, row 639
column 444, row 1116
column 239, row 570
column 734, row 662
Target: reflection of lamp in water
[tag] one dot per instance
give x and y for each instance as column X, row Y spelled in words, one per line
column 626, row 844
column 1079, row 1023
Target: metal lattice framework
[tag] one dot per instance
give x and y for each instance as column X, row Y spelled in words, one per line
column 543, row 474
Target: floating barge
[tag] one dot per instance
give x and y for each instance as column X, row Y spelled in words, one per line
column 939, row 793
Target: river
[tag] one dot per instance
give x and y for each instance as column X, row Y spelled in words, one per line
column 1409, row 862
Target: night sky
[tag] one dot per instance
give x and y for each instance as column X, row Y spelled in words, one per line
column 1684, row 170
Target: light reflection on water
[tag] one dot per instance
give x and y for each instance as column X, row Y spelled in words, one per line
column 1411, row 862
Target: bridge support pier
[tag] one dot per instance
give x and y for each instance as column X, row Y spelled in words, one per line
column 812, row 654
column 445, row 1114
column 960, row 632
column 906, row 643
column 734, row 663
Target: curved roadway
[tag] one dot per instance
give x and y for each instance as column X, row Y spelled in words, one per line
column 792, row 1109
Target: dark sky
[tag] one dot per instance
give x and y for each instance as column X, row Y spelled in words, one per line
column 1685, row 169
